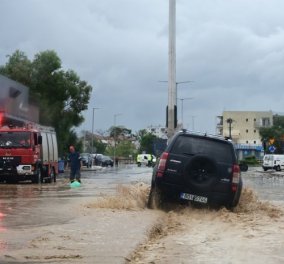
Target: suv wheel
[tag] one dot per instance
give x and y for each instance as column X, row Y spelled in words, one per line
column 236, row 200
column 201, row 173
column 155, row 199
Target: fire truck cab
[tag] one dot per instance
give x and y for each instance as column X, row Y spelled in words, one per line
column 28, row 152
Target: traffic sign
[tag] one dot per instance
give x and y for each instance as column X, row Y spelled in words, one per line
column 271, row 149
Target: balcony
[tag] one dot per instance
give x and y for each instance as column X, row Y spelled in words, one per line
column 220, row 125
column 259, row 124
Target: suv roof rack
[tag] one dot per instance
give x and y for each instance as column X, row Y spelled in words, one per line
column 198, row 133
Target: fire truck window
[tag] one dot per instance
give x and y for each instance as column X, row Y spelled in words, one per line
column 24, row 139
column 15, row 139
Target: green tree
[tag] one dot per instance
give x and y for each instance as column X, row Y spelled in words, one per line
column 60, row 95
column 274, row 134
column 141, row 133
column 88, row 139
column 18, row 68
column 116, row 131
column 100, row 147
column 124, row 148
column 146, row 141
column 278, row 121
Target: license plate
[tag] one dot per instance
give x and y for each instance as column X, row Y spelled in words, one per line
column 193, row 197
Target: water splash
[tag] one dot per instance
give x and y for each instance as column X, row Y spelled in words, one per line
column 132, row 197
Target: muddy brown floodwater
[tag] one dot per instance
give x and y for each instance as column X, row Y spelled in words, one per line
column 110, row 224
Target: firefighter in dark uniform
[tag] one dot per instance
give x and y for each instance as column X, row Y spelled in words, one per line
column 75, row 165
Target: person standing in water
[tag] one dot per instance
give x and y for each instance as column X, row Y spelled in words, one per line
column 74, row 159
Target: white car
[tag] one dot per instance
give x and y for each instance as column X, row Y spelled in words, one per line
column 146, row 159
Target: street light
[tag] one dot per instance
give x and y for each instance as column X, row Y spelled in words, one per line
column 230, row 121
column 182, row 99
column 114, row 136
column 94, row 108
column 168, row 114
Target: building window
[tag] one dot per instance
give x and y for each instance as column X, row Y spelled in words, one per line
column 254, row 142
column 247, row 120
column 247, row 142
column 254, row 131
column 254, row 120
column 247, row 130
column 265, row 122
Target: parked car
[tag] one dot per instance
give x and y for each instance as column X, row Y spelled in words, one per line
column 106, row 161
column 103, row 160
column 98, row 159
column 197, row 168
column 86, row 159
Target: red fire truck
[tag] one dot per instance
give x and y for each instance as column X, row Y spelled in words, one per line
column 28, row 152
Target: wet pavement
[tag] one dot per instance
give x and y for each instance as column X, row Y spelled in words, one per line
column 32, row 214
column 269, row 185
column 27, row 204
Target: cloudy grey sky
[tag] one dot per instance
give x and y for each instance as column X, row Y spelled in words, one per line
column 232, row 50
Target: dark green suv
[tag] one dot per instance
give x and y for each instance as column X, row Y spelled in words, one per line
column 197, row 168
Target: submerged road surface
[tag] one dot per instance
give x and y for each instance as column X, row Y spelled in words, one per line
column 50, row 223
column 26, row 204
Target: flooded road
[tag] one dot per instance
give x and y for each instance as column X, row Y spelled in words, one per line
column 252, row 233
column 27, row 204
column 269, row 185
column 32, row 215
column 42, row 223
column 24, row 201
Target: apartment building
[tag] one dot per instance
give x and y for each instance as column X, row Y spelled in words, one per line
column 243, row 127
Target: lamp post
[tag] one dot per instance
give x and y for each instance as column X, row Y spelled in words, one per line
column 182, row 99
column 230, row 121
column 169, row 119
column 94, row 108
column 114, row 136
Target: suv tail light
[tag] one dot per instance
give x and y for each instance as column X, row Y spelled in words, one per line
column 236, row 177
column 162, row 164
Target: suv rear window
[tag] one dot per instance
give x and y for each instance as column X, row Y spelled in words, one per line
column 220, row 151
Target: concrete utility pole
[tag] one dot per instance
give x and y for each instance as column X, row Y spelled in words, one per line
column 114, row 137
column 172, row 92
column 94, row 108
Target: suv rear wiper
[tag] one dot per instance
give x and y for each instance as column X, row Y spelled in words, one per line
column 189, row 154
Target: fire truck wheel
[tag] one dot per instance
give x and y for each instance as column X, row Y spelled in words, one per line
column 52, row 176
column 38, row 177
column 11, row 180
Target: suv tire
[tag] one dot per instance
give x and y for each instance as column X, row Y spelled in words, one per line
column 235, row 202
column 155, row 199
